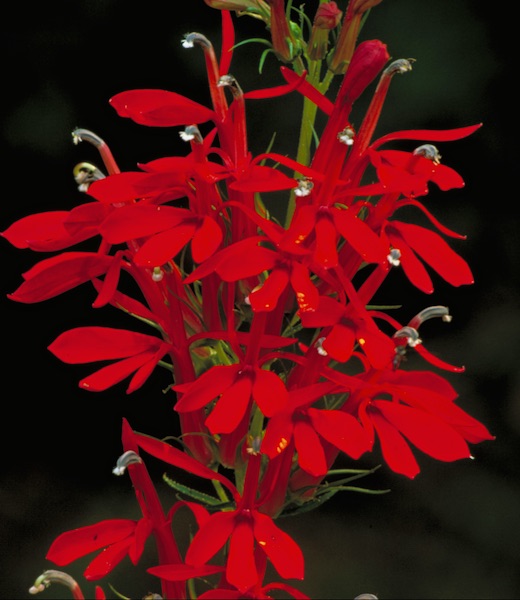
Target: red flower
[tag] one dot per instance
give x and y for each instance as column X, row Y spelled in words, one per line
column 421, row 412
column 244, row 527
column 415, row 242
column 140, row 353
column 306, row 426
column 345, row 326
column 234, row 386
column 167, row 229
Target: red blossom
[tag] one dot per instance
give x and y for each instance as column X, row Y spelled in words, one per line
column 307, row 426
column 422, row 413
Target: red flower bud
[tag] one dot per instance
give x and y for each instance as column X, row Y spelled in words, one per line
column 368, row 60
column 327, row 16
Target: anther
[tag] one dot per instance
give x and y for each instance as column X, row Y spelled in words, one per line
column 429, row 151
column 51, row 576
column 346, row 136
column 190, row 39
column 157, row 274
column 128, row 458
column 394, row 257
column 402, row 65
column 230, row 82
column 431, row 312
column 85, row 174
column 85, row 135
column 319, row 347
column 411, row 334
column 191, row 133
column 254, row 446
column 304, row 188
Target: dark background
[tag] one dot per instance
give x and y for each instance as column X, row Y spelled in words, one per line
column 454, row 531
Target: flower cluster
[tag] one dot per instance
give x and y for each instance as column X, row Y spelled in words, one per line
column 280, row 362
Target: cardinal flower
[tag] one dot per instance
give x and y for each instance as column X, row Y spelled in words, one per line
column 234, row 386
column 306, row 426
column 245, row 528
column 415, row 408
column 344, row 327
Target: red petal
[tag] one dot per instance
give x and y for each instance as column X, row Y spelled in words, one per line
column 206, row 240
column 109, row 285
column 306, row 292
column 241, row 567
column 263, row 179
column 164, row 246
column 206, row 387
column 339, row 343
column 210, row 538
column 269, row 392
column 160, row 108
column 396, row 451
column 240, row 265
column 283, row 552
column 429, row 135
column 59, row 274
column 179, row 459
column 427, row 432
column 359, row 235
column 89, row 344
column 278, row 434
column 311, row 456
column 437, row 253
column 412, row 266
column 308, row 90
column 115, row 373
column 106, row 561
column 228, row 41
column 40, row 226
column 76, row 543
column 328, row 312
column 140, row 220
column 146, row 369
column 230, row 407
column 266, row 298
column 342, row 430
column 116, row 188
column 325, row 252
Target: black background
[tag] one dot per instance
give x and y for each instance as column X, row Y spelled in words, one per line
column 454, row 531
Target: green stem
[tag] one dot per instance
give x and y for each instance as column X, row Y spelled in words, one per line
column 309, row 112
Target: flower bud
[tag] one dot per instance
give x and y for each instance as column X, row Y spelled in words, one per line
column 327, row 17
column 368, row 60
column 348, row 35
column 238, row 5
column 284, row 43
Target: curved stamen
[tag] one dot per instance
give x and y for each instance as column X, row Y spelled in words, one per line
column 51, row 576
column 128, row 458
column 85, row 135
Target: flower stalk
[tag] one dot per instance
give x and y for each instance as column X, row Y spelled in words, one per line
column 280, row 365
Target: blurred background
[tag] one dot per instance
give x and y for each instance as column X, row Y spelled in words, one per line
column 453, row 532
